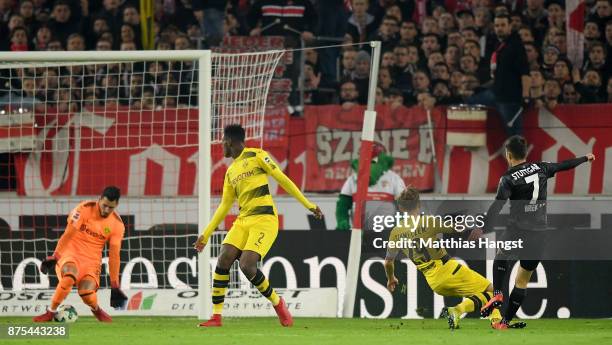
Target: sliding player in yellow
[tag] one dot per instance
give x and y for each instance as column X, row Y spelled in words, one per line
column 444, row 275
column 256, row 227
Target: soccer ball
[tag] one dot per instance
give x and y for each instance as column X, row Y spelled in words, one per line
column 66, row 313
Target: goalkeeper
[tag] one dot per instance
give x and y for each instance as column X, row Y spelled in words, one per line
column 444, row 275
column 78, row 256
column 256, row 227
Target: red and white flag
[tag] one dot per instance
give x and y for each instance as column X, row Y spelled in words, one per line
column 348, row 6
column 420, row 11
column 574, row 22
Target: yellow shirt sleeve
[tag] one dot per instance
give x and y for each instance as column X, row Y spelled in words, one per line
column 393, row 237
column 272, row 169
column 226, row 204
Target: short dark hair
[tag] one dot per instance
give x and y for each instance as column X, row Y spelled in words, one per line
column 435, row 82
column 387, row 17
column 61, row 3
column 409, row 199
column 234, row 132
column 437, row 64
column 502, row 16
column 469, row 28
column 424, row 71
column 112, row 193
column 516, row 14
column 19, row 28
column 517, row 146
column 597, row 44
column 394, row 92
column 431, row 34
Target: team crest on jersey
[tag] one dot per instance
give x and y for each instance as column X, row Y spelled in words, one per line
column 245, row 164
column 75, row 216
column 107, row 230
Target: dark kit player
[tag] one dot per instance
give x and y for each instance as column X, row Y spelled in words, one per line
column 524, row 184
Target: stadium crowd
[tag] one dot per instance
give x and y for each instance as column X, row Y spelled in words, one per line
column 442, row 48
column 447, row 52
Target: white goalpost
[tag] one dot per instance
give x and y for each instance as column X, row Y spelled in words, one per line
column 139, row 119
column 363, row 176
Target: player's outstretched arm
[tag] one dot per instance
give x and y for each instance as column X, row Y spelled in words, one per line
column 569, row 164
column 118, row 298
column 392, row 253
column 295, row 192
column 503, row 194
column 114, row 259
column 273, row 170
column 390, row 272
column 226, row 204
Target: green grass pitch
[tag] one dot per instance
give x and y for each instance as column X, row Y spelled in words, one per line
column 251, row 331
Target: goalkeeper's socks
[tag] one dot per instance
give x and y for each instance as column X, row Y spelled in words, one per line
column 263, row 285
column 220, row 283
column 90, row 298
column 516, row 299
column 62, row 290
column 500, row 268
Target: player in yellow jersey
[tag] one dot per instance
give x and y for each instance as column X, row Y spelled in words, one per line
column 444, row 275
column 256, row 227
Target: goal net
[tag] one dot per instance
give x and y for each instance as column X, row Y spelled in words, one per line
column 149, row 122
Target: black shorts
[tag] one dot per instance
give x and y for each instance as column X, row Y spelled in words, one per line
column 533, row 245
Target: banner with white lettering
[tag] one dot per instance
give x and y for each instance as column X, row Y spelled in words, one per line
column 334, row 137
column 178, row 302
column 144, row 153
column 146, row 156
column 558, row 288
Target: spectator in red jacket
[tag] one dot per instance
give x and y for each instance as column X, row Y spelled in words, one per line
column 19, row 39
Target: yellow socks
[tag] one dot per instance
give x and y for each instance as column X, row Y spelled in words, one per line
column 220, row 283
column 263, row 285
